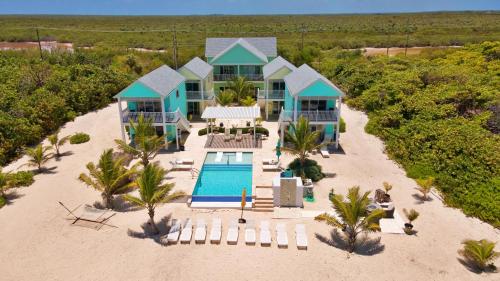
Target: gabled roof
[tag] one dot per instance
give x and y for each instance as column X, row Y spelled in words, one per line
column 162, row 81
column 243, row 43
column 198, row 67
column 303, row 77
column 266, row 45
column 275, row 65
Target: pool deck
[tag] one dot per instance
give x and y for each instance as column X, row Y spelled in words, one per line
column 247, row 142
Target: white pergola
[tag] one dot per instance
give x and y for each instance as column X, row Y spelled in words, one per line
column 231, row 113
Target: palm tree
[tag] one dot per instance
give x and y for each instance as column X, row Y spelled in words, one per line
column 481, row 253
column 57, row 143
column 152, row 191
column 387, row 187
column 425, row 186
column 411, row 215
column 110, row 177
column 38, row 156
column 302, row 140
column 225, row 97
column 353, row 217
column 248, row 101
column 241, row 87
column 147, row 143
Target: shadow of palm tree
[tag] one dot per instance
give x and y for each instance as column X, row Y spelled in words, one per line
column 420, row 198
column 121, row 205
column 44, row 170
column 147, row 232
column 365, row 246
column 63, row 154
column 471, row 266
column 11, row 196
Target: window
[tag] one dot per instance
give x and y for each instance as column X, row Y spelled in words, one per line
column 148, row 106
column 192, row 86
column 278, row 85
column 313, row 105
column 177, row 93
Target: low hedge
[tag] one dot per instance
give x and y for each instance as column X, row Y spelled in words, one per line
column 79, row 138
column 310, row 170
column 342, row 125
column 22, row 178
column 246, row 130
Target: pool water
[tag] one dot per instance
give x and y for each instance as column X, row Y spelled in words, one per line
column 224, row 180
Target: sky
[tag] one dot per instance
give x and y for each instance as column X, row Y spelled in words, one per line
column 204, row 7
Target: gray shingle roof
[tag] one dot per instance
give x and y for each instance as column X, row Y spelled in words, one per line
column 162, row 80
column 242, row 42
column 233, row 112
column 275, row 65
column 198, row 67
column 303, row 77
column 266, row 45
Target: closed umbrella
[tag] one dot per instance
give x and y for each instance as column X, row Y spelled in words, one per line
column 278, row 149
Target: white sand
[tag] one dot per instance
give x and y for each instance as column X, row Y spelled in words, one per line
column 37, row 243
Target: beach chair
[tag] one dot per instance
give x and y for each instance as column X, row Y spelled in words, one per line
column 265, row 234
column 239, row 135
column 301, row 237
column 174, row 232
column 216, row 231
column 233, row 232
column 180, row 167
column 239, row 156
column 218, row 157
column 187, row 232
column 281, row 235
column 272, row 167
column 227, row 134
column 185, row 161
column 200, row 234
column 269, row 161
column 324, row 152
column 250, row 232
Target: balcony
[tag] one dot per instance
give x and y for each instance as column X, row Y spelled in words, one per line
column 156, row 117
column 197, row 95
column 228, row 77
column 272, row 94
column 314, row 116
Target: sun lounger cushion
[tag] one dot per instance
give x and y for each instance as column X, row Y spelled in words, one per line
column 233, row 232
column 281, row 235
column 300, row 236
column 200, row 233
column 216, row 231
column 265, row 233
column 187, row 232
column 250, row 233
column 174, row 232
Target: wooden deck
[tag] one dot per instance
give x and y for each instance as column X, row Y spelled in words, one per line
column 217, row 141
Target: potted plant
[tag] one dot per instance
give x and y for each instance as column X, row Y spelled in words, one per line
column 387, row 188
column 331, row 194
column 411, row 216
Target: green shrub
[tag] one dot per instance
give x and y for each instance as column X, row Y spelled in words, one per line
column 3, row 201
column 342, row 126
column 79, row 138
column 311, row 169
column 22, row 178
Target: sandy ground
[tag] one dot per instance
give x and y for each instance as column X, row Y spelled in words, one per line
column 38, row 243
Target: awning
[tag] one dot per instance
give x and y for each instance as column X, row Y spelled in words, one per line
column 235, row 112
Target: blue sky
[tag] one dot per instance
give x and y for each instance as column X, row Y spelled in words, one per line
column 187, row 7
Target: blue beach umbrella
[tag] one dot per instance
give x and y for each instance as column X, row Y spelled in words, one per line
column 278, row 149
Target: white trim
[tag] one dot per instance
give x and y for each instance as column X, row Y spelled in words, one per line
column 122, row 128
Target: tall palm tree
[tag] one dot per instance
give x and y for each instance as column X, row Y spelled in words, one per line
column 110, row 177
column 147, row 143
column 302, row 140
column 481, row 253
column 225, row 97
column 38, row 156
column 241, row 87
column 425, row 186
column 152, row 191
column 353, row 217
column 57, row 143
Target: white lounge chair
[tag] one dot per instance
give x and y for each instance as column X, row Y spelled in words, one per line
column 269, row 161
column 324, row 152
column 239, row 156
column 233, row 232
column 272, row 167
column 216, row 231
column 200, row 234
column 250, row 234
column 218, row 157
column 239, row 135
column 265, row 234
column 227, row 134
column 174, row 232
column 184, row 161
column 180, row 167
column 281, row 235
column 187, row 232
column 301, row 237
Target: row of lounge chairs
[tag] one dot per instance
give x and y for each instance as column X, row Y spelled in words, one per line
column 183, row 233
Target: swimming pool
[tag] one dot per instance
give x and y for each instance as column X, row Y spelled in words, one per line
column 223, row 177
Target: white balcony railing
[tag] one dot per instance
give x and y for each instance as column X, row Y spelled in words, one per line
column 314, row 116
column 231, row 76
column 197, row 95
column 224, row 77
column 272, row 94
column 156, row 117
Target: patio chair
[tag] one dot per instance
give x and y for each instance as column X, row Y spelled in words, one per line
column 174, row 232
column 273, row 168
column 233, row 232
column 227, row 134
column 181, row 167
column 281, row 235
column 301, row 237
column 324, row 152
column 239, row 135
column 265, row 234
column 187, row 232
column 269, row 161
column 216, row 231
column 200, row 234
column 184, row 161
column 250, row 233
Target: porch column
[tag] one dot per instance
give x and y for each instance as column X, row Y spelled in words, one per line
column 267, row 97
column 202, row 90
column 177, row 136
column 282, row 134
column 337, row 128
column 122, row 127
column 254, row 137
column 164, row 120
column 295, row 108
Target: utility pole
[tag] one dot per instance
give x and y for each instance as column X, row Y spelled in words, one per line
column 175, row 48
column 39, row 44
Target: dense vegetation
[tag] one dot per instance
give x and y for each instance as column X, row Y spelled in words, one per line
column 438, row 114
